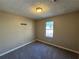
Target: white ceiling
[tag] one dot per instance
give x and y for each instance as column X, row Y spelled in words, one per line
column 27, row 7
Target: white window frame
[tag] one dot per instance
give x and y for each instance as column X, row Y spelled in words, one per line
column 48, row 36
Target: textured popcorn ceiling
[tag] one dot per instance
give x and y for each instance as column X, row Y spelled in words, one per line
column 28, row 7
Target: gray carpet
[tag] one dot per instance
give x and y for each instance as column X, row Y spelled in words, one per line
column 38, row 50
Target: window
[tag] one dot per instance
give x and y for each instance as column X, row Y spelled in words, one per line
column 49, row 29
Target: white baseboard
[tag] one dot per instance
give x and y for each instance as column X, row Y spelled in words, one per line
column 16, row 48
column 77, row 52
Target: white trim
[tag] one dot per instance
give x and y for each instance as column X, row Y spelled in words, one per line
column 77, row 52
column 16, row 48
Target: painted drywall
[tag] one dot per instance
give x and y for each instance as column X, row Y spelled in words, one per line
column 78, row 35
column 65, row 31
column 77, row 41
column 12, row 33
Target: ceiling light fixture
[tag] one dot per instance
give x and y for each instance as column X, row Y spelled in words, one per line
column 39, row 9
column 52, row 0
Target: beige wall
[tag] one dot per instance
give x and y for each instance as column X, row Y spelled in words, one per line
column 65, row 30
column 78, row 35
column 12, row 34
column 77, row 41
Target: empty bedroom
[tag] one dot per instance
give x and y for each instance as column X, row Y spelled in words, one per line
column 39, row 29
